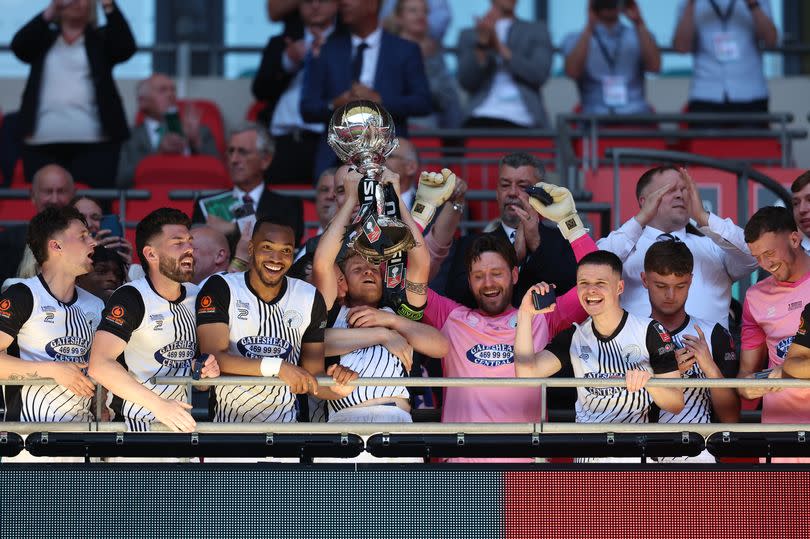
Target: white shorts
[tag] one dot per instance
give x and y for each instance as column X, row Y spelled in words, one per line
column 381, row 413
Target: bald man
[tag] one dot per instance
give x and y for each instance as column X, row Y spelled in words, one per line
column 211, row 252
column 52, row 187
column 157, row 96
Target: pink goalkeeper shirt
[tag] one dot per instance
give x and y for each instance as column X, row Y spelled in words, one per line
column 771, row 316
column 481, row 346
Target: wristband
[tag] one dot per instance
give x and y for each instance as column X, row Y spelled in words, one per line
column 271, row 366
column 571, row 227
column 410, row 312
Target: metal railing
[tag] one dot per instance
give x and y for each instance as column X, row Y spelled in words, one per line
column 121, row 195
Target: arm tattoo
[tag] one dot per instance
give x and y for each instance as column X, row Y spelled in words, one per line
column 417, row 288
column 24, row 376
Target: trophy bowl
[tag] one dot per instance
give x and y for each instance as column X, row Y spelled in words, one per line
column 362, row 133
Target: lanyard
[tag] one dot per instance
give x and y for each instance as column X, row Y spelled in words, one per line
column 724, row 17
column 610, row 58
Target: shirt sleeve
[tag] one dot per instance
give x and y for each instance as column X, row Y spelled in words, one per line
column 123, row 313
column 724, row 353
column 16, row 305
column 731, row 248
column 802, row 338
column 661, row 349
column 568, row 43
column 437, row 309
column 751, row 335
column 560, row 346
column 621, row 242
column 213, row 302
column 317, row 322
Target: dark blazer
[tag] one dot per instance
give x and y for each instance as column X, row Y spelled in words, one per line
column 553, row 262
column 286, row 209
column 400, row 80
column 106, row 46
column 271, row 79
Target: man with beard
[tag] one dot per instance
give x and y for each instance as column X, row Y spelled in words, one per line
column 482, row 338
column 542, row 253
column 772, row 313
column 263, row 323
column 149, row 325
column 47, row 323
column 372, row 341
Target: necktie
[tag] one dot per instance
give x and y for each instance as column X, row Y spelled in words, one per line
column 247, row 200
column 357, row 61
column 512, row 236
column 666, row 236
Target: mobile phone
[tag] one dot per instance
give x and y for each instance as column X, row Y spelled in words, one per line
column 763, row 374
column 540, row 194
column 545, row 300
column 199, row 363
column 173, row 124
column 113, row 224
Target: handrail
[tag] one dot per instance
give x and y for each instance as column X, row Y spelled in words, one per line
column 743, row 171
column 122, row 195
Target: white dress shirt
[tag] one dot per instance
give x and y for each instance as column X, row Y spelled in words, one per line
column 373, row 40
column 152, row 127
column 721, row 257
column 255, row 195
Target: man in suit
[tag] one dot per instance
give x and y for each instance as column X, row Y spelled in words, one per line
column 250, row 151
column 542, row 252
column 502, row 64
column 157, row 96
column 278, row 83
column 363, row 62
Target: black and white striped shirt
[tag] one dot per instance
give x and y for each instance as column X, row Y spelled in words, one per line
column 161, row 338
column 697, row 400
column 46, row 329
column 260, row 329
column 371, row 362
column 637, row 343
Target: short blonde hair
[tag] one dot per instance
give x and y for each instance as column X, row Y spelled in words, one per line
column 92, row 15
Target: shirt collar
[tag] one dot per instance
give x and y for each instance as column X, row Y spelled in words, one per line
column 806, row 244
column 372, row 40
column 653, row 233
column 309, row 37
column 508, row 230
column 255, row 193
column 150, row 123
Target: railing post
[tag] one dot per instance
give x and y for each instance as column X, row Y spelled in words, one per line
column 594, row 144
column 616, row 194
column 742, row 217
column 183, row 66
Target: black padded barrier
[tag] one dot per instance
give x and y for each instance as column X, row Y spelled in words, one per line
column 145, row 444
column 679, row 444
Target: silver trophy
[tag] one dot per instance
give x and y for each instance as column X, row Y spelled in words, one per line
column 362, row 133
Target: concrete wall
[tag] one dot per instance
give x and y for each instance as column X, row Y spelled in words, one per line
column 666, row 95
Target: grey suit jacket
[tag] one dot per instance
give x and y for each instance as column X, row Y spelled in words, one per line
column 139, row 146
column 530, row 66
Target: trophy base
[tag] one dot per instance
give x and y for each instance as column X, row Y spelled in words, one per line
column 397, row 233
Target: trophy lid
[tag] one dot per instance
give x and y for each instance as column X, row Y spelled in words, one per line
column 362, row 132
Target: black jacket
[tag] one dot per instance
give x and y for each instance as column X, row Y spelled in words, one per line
column 106, row 46
column 553, row 262
column 272, row 80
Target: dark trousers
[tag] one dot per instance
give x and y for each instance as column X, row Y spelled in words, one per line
column 729, row 107
column 294, row 159
column 95, row 164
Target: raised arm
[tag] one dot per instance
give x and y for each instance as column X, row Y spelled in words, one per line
column 575, row 59
column 684, row 37
column 764, row 28
column 650, row 55
column 528, row 362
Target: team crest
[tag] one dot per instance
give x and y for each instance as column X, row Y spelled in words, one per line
column 293, row 319
column 632, row 353
column 662, row 332
column 372, row 230
column 393, row 275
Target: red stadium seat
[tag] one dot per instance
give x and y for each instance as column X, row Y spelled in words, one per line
column 138, row 209
column 252, row 113
column 210, row 117
column 182, row 172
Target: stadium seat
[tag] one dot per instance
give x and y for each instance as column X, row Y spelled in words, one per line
column 210, row 116
column 182, row 172
column 651, row 142
column 252, row 113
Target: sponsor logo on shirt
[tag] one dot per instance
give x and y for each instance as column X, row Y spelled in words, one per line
column 68, row 348
column 50, row 313
column 794, row 305
column 260, row 347
column 158, row 320
column 605, row 391
column 491, row 355
column 293, row 319
column 176, row 354
column 782, row 347
column 662, row 332
column 5, row 308
column 116, row 315
column 242, row 310
column 206, row 305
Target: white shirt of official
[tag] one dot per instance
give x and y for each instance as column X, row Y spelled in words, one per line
column 721, row 257
column 369, row 72
column 68, row 111
column 287, row 114
column 504, row 101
